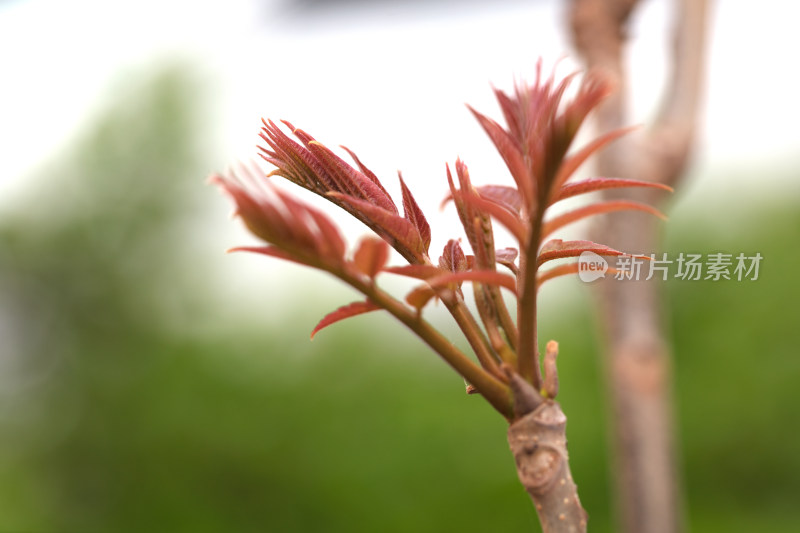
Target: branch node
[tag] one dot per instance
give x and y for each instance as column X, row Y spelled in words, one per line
column 526, row 398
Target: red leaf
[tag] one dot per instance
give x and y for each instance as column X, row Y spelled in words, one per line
column 476, row 222
column 295, row 163
column 415, row 271
column 277, row 218
column 511, row 153
column 506, row 257
column 419, row 297
column 300, row 134
column 414, row 214
column 367, row 172
column 371, row 256
column 500, row 213
column 558, row 93
column 511, row 112
column 327, row 240
column 575, row 160
column 349, row 180
column 394, row 227
column 556, row 249
column 464, row 213
column 453, row 258
column 261, row 218
column 508, row 197
column 595, row 87
column 353, row 309
column 595, row 209
column 597, row 184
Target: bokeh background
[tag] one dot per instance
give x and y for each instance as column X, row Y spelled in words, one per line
column 150, row 382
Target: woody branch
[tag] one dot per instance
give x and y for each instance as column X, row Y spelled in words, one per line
column 638, row 357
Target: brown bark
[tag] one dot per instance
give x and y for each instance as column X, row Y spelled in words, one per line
column 538, row 439
column 638, row 357
column 539, row 444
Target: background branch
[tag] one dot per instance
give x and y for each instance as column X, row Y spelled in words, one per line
column 638, row 359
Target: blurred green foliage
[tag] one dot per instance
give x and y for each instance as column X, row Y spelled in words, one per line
column 113, row 421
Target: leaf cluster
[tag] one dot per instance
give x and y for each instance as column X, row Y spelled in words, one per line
column 535, row 144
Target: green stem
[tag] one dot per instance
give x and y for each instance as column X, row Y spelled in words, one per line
column 528, row 353
column 474, row 335
column 505, row 318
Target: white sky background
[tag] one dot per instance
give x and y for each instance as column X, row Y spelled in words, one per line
column 388, row 81
column 385, row 80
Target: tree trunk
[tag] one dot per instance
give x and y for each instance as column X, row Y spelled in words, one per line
column 538, row 439
column 639, row 383
column 638, row 362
